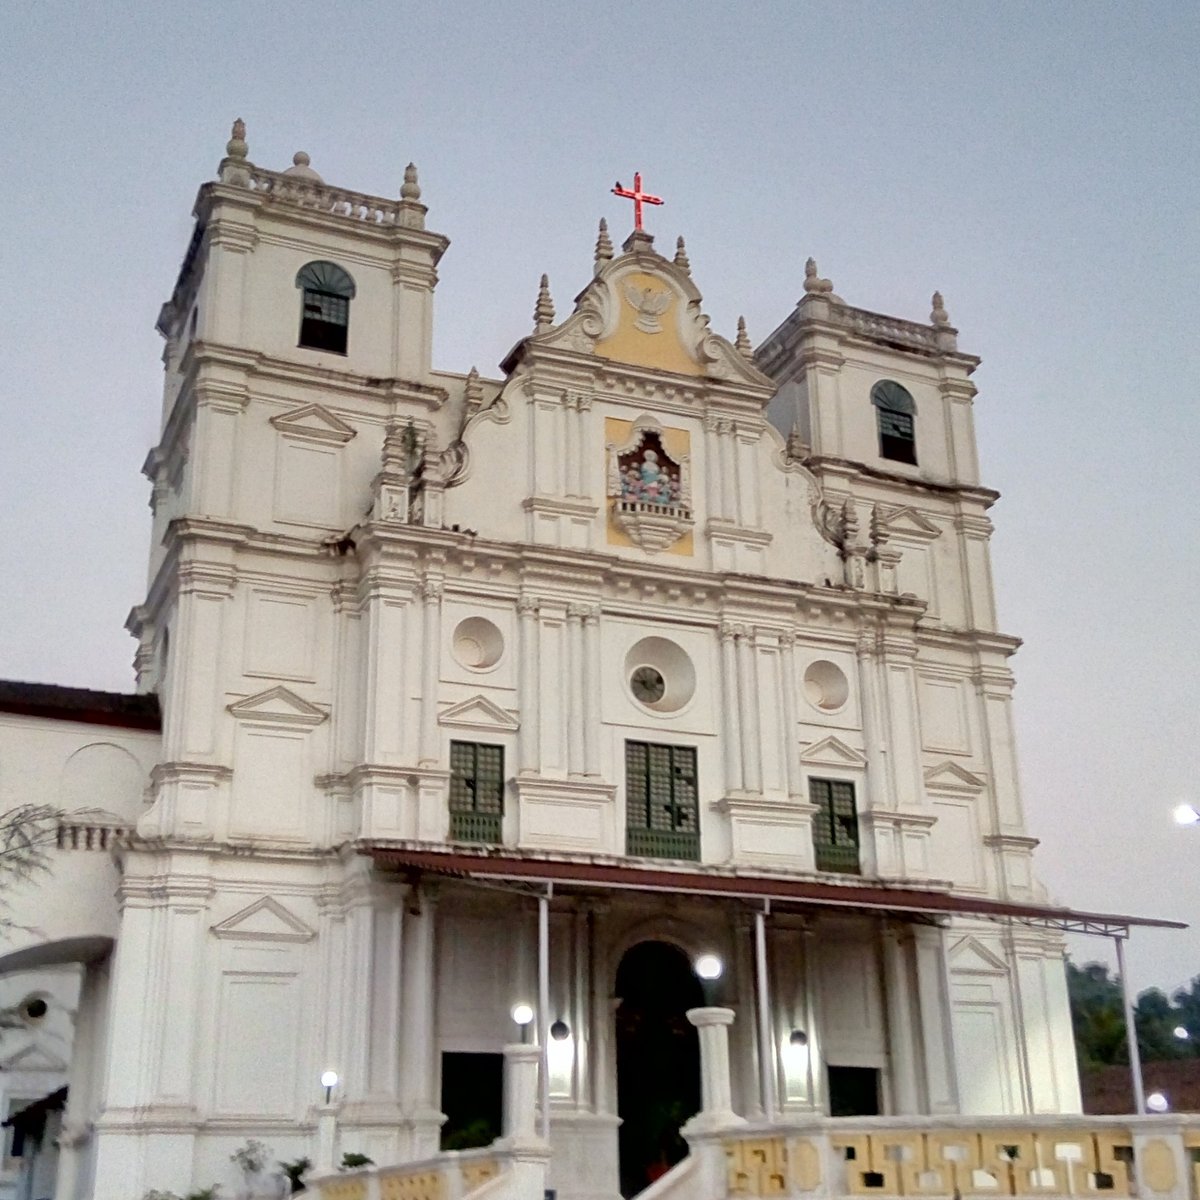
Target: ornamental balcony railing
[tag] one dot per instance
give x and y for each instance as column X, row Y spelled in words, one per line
column 663, row 843
column 842, row 859
column 475, row 826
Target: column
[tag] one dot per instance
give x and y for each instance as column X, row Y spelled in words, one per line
column 591, row 691
column 716, row 1099
column 575, row 703
column 878, row 793
column 933, row 999
column 712, row 466
column 748, row 696
column 571, row 438
column 902, row 1050
column 583, row 405
column 731, row 736
column 791, row 740
column 527, row 610
column 385, row 667
column 418, row 1025
column 431, row 593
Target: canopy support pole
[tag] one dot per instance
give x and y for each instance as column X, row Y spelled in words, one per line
column 1135, row 1058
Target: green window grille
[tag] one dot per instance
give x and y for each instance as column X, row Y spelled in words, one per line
column 662, row 814
column 476, row 792
column 895, row 410
column 835, row 826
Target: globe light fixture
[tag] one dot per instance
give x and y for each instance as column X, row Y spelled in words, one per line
column 522, row 1014
column 1181, row 1032
column 1185, row 814
column 709, row 967
column 560, row 1030
column 798, row 1038
column 1157, row 1102
column 329, row 1080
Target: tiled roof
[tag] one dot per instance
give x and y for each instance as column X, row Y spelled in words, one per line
column 80, row 704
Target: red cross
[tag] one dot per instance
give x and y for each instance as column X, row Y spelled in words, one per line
column 637, row 196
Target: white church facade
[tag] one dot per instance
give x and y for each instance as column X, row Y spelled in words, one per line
column 539, row 690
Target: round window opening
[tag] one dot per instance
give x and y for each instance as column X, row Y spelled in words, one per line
column 660, row 674
column 478, row 644
column 826, row 686
column 33, row 1009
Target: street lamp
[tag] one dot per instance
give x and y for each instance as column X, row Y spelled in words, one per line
column 1157, row 1102
column 709, row 968
column 522, row 1015
column 1185, row 814
column 329, row 1080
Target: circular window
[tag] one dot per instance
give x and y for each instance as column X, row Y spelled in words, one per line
column 660, row 674
column 826, row 686
column 32, row 1009
column 478, row 644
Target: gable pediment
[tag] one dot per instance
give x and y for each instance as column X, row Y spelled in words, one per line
column 266, row 920
column 969, row 954
column 478, row 713
column 909, row 523
column 32, row 1057
column 278, row 706
column 315, row 422
column 831, row 752
column 950, row 777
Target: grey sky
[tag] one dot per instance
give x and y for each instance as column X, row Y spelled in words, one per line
column 1037, row 162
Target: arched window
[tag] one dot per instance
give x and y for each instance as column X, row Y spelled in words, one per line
column 895, row 411
column 325, row 310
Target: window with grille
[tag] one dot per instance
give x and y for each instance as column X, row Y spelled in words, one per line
column 835, row 826
column 895, row 410
column 326, row 292
column 662, row 815
column 476, row 792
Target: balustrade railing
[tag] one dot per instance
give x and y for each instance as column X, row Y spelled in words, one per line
column 307, row 193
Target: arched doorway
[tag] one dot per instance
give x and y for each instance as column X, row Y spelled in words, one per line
column 658, row 1060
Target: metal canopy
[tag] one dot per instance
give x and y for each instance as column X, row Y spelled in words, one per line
column 592, row 875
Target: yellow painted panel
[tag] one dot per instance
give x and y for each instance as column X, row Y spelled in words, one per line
column 677, row 443
column 645, row 337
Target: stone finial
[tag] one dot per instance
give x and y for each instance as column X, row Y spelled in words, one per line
column 410, row 189
column 543, row 310
column 236, row 146
column 473, row 392
column 681, row 259
column 813, row 283
column 604, row 246
column 939, row 315
column 300, row 168
column 744, row 348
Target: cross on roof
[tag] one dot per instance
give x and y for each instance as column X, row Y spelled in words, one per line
column 637, row 196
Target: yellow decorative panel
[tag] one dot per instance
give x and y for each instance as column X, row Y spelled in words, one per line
column 1157, row 1166
column 758, row 1167
column 647, row 331
column 678, row 444
column 418, row 1185
column 476, row 1174
column 344, row 1189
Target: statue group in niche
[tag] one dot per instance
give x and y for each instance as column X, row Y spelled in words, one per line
column 649, row 481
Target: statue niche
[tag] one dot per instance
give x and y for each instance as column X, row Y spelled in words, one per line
column 651, row 492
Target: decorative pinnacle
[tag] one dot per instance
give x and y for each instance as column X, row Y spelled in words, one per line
column 681, row 259
column 813, row 282
column 939, row 316
column 879, row 530
column 543, row 311
column 473, row 393
column 743, row 340
column 236, row 146
column 604, row 247
column 410, row 189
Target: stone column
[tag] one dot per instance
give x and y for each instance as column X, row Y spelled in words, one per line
column 583, row 406
column 431, row 592
column 933, row 1000
column 574, row 688
column 520, row 1096
column 591, row 691
column 527, row 609
column 902, row 1051
column 716, row 1098
column 731, row 736
column 748, row 697
column 418, row 1026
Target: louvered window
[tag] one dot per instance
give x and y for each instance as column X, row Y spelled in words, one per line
column 895, row 411
column 835, row 826
column 476, row 792
column 661, row 810
column 325, row 308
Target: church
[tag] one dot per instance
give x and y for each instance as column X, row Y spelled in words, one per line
column 625, row 735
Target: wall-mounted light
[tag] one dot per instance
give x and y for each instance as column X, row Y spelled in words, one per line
column 329, row 1080
column 560, row 1030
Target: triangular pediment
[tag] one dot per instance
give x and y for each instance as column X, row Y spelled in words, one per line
column 643, row 310
column 832, row 752
column 278, row 706
column 266, row 920
column 32, row 1057
column 907, row 522
column 969, row 954
column 316, row 422
column 478, row 713
column 950, row 777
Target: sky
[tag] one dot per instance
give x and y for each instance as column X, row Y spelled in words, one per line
column 1035, row 162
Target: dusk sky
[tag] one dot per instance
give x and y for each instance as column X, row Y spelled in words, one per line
column 1036, row 162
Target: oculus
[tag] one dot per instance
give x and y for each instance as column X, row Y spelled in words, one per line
column 661, row 675
column 826, row 686
column 647, row 685
column 478, row 644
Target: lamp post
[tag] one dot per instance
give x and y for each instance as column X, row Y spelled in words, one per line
column 329, row 1080
column 709, row 968
column 522, row 1015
